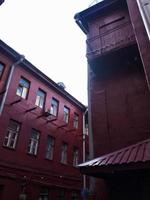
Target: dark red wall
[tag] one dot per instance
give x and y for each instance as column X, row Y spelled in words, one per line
column 120, row 108
column 120, row 98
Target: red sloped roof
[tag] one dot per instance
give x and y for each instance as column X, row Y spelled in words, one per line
column 139, row 152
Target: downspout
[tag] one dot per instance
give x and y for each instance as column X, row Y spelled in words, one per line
column 9, row 81
column 84, row 141
column 91, row 141
column 145, row 14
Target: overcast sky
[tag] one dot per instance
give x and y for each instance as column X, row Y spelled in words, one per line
column 46, row 33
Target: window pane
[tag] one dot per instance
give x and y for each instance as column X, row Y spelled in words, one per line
column 23, row 88
column 75, row 121
column 75, row 156
column 33, row 142
column 19, row 91
column 12, row 134
column 64, row 153
column 50, row 147
column 54, row 107
column 24, row 83
column 44, row 194
column 66, row 114
column 40, row 98
column 1, row 69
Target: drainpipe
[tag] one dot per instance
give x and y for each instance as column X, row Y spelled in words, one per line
column 9, row 81
column 84, row 152
column 144, row 6
column 90, row 130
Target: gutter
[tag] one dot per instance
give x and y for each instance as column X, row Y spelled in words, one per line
column 9, row 81
column 79, row 22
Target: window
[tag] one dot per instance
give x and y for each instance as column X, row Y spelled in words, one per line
column 64, row 153
column 74, row 196
column 33, row 142
column 75, row 156
column 1, row 69
column 12, row 134
column 50, row 147
column 66, row 114
column 44, row 194
column 61, row 194
column 54, row 107
column 23, row 88
column 40, row 98
column 75, row 121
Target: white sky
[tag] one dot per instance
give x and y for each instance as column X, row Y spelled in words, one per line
column 46, row 33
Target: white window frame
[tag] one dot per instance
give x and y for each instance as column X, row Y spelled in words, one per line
column 33, row 142
column 23, row 88
column 50, row 147
column 76, row 121
column 12, row 135
column 40, row 98
column 54, row 107
column 66, row 114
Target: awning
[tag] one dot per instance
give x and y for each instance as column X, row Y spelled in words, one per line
column 132, row 158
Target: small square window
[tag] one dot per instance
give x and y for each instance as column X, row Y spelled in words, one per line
column 23, row 88
column 40, row 98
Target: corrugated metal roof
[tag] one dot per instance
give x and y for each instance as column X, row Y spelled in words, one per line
column 139, row 152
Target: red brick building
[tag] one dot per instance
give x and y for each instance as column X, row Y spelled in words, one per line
column 41, row 127
column 119, row 98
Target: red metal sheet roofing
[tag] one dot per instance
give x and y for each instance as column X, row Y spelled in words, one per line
column 139, row 152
